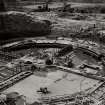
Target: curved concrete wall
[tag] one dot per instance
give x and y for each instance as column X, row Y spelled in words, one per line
column 88, row 52
column 48, row 43
column 34, row 45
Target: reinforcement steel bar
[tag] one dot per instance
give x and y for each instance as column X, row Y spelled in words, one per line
column 13, row 80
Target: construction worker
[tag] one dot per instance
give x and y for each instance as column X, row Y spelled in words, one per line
column 70, row 63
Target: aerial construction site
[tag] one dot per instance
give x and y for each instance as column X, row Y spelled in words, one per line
column 52, row 52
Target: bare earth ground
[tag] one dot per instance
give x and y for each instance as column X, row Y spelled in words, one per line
column 63, row 24
column 67, row 26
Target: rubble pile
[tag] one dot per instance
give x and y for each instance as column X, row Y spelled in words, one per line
column 83, row 100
